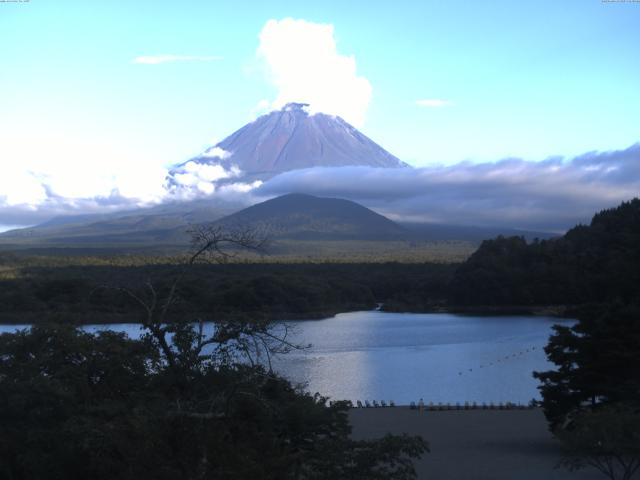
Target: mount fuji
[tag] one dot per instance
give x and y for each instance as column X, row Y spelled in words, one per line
column 289, row 139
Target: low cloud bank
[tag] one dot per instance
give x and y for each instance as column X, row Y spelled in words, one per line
column 551, row 195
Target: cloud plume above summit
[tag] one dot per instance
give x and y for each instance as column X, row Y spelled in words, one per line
column 301, row 60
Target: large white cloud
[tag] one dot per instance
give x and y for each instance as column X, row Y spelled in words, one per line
column 55, row 165
column 302, row 61
column 19, row 187
column 58, row 175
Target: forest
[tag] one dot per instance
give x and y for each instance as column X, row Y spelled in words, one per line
column 592, row 263
column 88, row 293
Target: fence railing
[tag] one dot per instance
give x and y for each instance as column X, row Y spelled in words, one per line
column 440, row 406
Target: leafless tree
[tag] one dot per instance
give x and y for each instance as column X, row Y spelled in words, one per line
column 255, row 340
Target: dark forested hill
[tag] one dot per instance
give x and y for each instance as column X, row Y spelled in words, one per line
column 595, row 263
column 303, row 216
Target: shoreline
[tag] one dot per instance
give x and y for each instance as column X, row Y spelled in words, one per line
column 560, row 311
column 101, row 318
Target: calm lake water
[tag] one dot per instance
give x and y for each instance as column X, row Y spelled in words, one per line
column 405, row 357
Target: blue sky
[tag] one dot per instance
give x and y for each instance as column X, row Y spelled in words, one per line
column 497, row 79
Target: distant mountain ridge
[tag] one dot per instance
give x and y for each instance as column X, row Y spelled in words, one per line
column 161, row 224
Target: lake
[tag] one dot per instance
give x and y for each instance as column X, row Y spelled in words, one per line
column 404, row 357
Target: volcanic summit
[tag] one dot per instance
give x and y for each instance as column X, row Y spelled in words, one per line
column 293, row 138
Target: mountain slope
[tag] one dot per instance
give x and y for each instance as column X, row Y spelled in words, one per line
column 160, row 225
column 300, row 216
column 290, row 139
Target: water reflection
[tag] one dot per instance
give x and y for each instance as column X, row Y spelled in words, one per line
column 404, row 357
column 438, row 357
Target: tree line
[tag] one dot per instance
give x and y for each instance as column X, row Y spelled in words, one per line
column 274, row 291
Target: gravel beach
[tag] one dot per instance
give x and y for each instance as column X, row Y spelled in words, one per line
column 474, row 444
